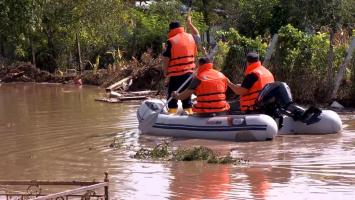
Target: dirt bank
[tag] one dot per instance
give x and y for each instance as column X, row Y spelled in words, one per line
column 25, row 72
column 143, row 75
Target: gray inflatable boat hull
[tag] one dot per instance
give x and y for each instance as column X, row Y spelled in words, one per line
column 330, row 123
column 256, row 127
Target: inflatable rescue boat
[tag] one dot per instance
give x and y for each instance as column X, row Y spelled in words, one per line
column 282, row 116
column 251, row 127
column 255, row 127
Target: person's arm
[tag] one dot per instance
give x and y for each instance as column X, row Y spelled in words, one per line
column 236, row 88
column 189, row 91
column 247, row 83
column 165, row 65
column 166, row 57
column 193, row 29
column 183, row 95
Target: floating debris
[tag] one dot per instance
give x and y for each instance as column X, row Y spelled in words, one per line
column 117, row 143
column 108, row 100
column 26, row 72
column 221, row 160
column 143, row 153
column 200, row 153
column 161, row 151
column 196, row 153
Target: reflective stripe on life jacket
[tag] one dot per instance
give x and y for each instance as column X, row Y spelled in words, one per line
column 183, row 51
column 210, row 92
column 247, row 101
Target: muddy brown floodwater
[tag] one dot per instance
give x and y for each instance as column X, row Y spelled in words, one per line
column 58, row 132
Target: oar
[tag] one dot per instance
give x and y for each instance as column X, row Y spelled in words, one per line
column 148, row 122
column 178, row 90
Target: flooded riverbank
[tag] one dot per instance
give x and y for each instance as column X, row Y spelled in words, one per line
column 58, row 132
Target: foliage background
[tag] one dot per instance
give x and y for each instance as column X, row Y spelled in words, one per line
column 313, row 35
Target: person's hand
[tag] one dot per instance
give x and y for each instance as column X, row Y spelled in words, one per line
column 174, row 94
column 204, row 50
column 188, row 18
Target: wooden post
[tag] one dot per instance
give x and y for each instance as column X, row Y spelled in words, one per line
column 342, row 68
column 106, row 187
column 79, row 52
column 270, row 50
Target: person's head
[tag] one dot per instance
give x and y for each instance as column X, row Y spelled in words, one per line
column 252, row 57
column 203, row 60
column 174, row 25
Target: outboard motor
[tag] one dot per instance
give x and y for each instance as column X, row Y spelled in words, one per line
column 276, row 100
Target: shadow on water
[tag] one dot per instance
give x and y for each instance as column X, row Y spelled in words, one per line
column 58, row 132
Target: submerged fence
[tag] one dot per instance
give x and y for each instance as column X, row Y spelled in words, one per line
column 39, row 190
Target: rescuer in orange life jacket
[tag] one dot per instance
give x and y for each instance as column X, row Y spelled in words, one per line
column 256, row 77
column 210, row 87
column 179, row 60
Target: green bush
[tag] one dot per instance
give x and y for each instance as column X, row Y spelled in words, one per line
column 239, row 46
column 301, row 60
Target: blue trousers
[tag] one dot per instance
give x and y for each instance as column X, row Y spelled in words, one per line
column 174, row 83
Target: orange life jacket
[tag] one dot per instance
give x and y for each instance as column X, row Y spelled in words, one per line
column 183, row 51
column 210, row 92
column 247, row 101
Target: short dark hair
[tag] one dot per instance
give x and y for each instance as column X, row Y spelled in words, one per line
column 204, row 60
column 174, row 24
column 252, row 57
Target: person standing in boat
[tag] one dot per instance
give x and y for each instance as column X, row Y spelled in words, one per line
column 256, row 77
column 179, row 60
column 210, row 87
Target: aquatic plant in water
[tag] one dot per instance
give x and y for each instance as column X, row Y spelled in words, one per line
column 200, row 153
column 161, row 151
column 117, row 143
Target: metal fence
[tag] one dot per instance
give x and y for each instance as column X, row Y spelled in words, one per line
column 34, row 190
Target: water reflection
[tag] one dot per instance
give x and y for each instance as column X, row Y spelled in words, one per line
column 197, row 180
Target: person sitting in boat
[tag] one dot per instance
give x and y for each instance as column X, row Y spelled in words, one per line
column 256, row 77
column 209, row 86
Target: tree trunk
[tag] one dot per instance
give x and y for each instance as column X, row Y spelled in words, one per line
column 208, row 35
column 79, row 53
column 330, row 71
column 33, row 52
column 342, row 68
column 205, row 18
column 2, row 48
column 270, row 50
column 69, row 64
column 50, row 41
column 51, row 63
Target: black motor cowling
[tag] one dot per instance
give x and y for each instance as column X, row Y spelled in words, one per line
column 276, row 100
